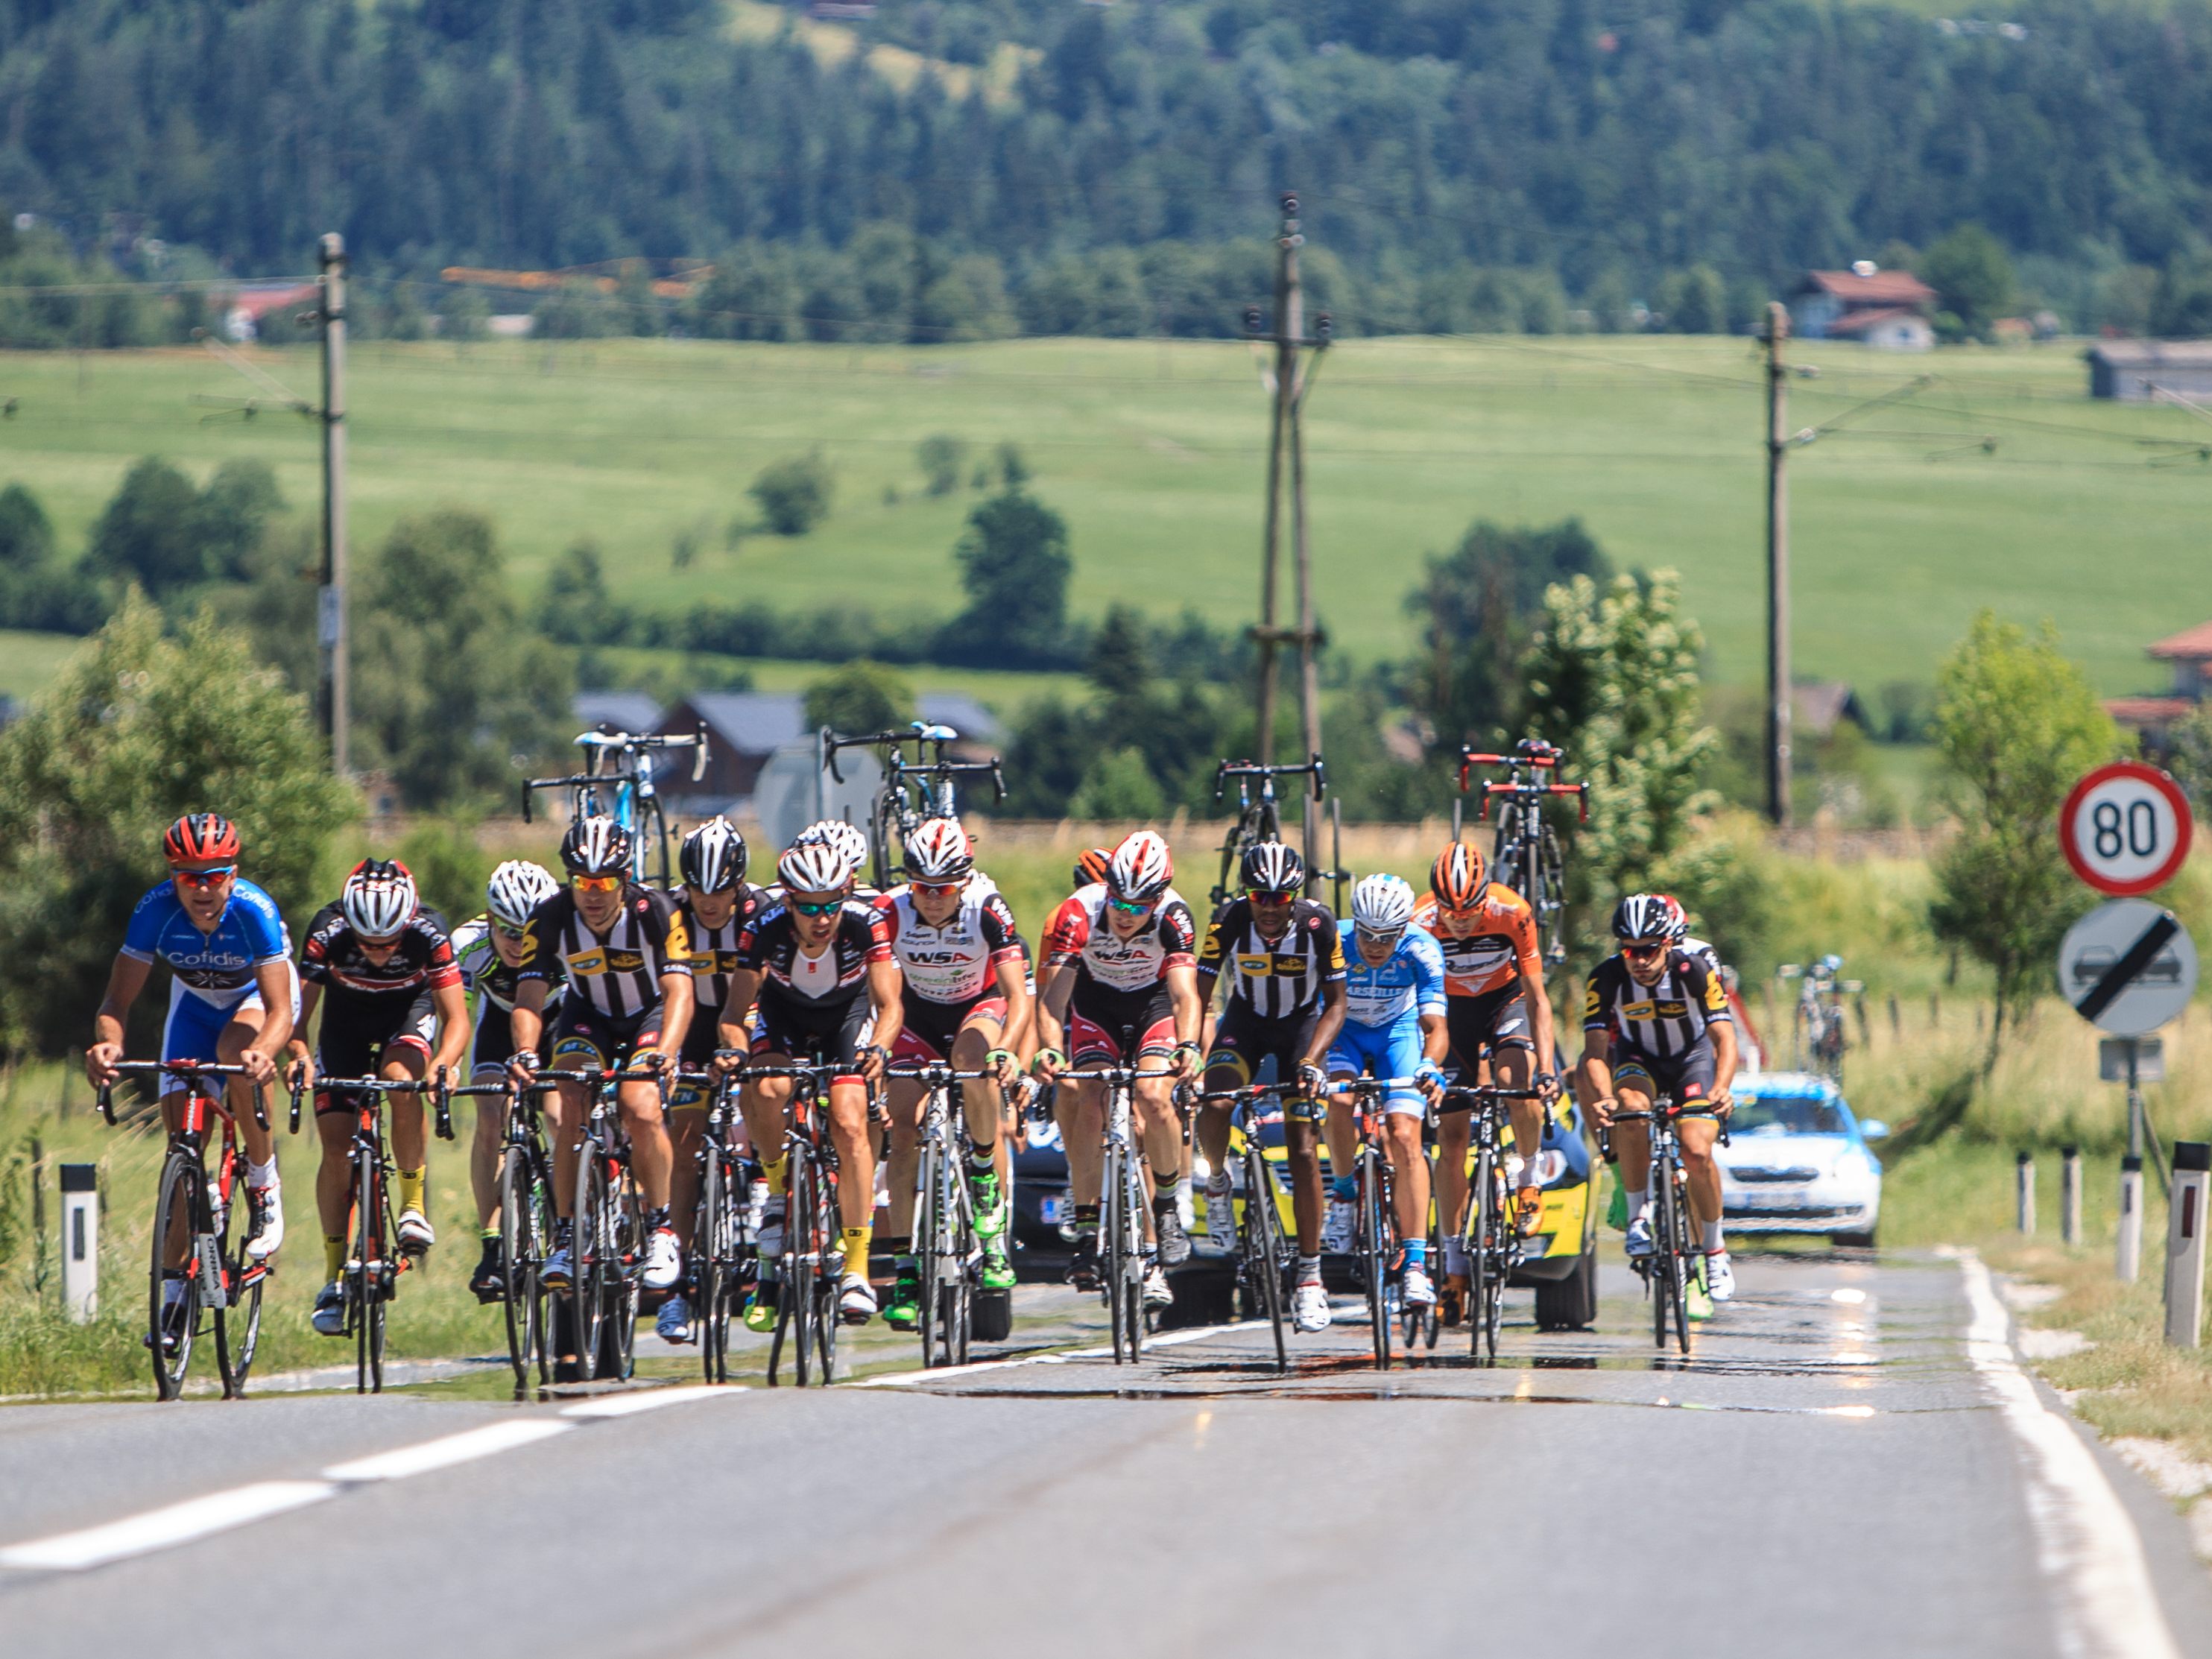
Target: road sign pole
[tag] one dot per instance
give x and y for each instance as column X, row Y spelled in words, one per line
column 2184, row 1243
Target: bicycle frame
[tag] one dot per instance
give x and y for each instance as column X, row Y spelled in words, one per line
column 811, row 1261
column 606, row 1238
column 947, row 1252
column 618, row 781
column 373, row 1265
column 1487, row 1233
column 1526, row 856
column 1379, row 1214
column 1123, row 1206
column 526, row 1227
column 721, row 1238
column 1666, row 1270
column 1262, row 1252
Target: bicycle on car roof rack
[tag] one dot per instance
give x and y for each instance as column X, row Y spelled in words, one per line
column 1526, row 856
column 1259, row 819
column 912, row 791
column 617, row 781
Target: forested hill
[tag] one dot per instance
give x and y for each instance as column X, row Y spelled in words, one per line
column 1608, row 142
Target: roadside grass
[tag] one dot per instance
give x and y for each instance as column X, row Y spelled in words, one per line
column 1154, row 452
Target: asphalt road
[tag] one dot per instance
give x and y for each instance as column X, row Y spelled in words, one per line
column 1849, row 1464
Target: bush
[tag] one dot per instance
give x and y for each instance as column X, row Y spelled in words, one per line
column 136, row 729
column 861, row 696
column 942, row 458
column 795, row 493
column 37, row 589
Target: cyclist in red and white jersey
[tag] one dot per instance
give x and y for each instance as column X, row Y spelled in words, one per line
column 968, row 1002
column 1120, row 988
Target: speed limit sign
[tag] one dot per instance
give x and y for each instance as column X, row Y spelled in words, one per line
column 2125, row 829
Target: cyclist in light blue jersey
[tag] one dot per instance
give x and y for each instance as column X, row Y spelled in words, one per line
column 1393, row 1027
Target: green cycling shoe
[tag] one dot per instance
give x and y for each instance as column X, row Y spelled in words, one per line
column 998, row 1269
column 990, row 1204
column 761, row 1307
column 903, row 1311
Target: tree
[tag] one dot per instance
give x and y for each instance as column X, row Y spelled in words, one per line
column 861, row 696
column 1696, row 301
column 1973, row 278
column 795, row 493
column 452, row 693
column 138, row 728
column 1116, row 786
column 944, row 457
column 1613, row 679
column 37, row 589
column 1015, row 563
column 144, row 534
column 577, row 607
column 2015, row 724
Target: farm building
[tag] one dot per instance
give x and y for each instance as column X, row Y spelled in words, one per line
column 2189, row 655
column 2136, row 371
column 1887, row 310
column 744, row 730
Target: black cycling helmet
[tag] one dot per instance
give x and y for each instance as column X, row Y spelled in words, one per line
column 1270, row 867
column 712, row 857
column 1644, row 917
column 596, row 845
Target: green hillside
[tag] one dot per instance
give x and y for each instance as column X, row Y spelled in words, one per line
column 1903, row 523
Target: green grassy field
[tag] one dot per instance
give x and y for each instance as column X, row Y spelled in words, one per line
column 1903, row 524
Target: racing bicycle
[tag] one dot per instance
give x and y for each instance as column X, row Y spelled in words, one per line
column 1491, row 1242
column 1675, row 1259
column 1816, row 1026
column 1378, row 1221
column 617, row 780
column 1259, row 818
column 1525, row 849
column 1123, row 1206
column 1263, row 1254
column 912, row 792
column 373, row 1260
column 607, row 1241
column 723, row 1264
column 947, row 1253
column 526, row 1224
column 812, row 1262
column 194, row 1247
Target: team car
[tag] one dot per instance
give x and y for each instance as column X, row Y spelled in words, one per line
column 1798, row 1160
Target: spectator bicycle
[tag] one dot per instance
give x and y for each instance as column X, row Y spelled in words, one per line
column 1259, row 818
column 194, row 1247
column 1492, row 1242
column 1525, row 854
column 374, row 1262
column 1817, row 1038
column 912, row 792
column 617, row 781
column 723, row 1265
column 1263, row 1253
column 1123, row 1204
column 812, row 1261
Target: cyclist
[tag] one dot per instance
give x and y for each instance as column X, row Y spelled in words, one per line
column 1120, row 988
column 1284, row 959
column 1498, row 1014
column 233, row 998
column 1394, row 1026
column 818, row 965
column 1656, row 1021
column 380, row 964
column 851, row 840
column 488, row 950
column 967, row 1000
column 718, row 905
column 626, row 960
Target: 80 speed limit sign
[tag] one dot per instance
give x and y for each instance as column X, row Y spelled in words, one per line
column 2125, row 829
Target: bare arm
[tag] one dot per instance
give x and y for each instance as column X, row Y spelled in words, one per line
column 675, row 1014
column 1332, row 1002
column 1725, row 1056
column 525, row 1027
column 1597, row 1067
column 1547, row 1030
column 1052, row 1018
column 886, row 988
column 452, row 1005
column 745, row 986
column 302, row 1068
column 126, row 979
column 1016, row 1036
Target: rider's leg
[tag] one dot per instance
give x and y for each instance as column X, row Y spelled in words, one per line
column 485, row 1146
column 1299, row 1139
column 1696, row 1136
column 1080, row 1109
column 260, row 1143
column 1632, row 1143
column 687, row 1130
column 980, row 1102
column 761, row 1104
column 1454, row 1134
column 651, row 1156
column 854, row 1139
column 334, row 1180
column 565, row 1107
column 407, row 1062
column 905, row 1098
column 1409, row 1172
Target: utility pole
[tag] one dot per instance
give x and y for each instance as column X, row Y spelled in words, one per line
column 1777, row 570
column 1287, row 382
column 330, row 612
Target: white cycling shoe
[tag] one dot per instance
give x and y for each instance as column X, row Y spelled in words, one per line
column 1159, row 1293
column 768, row 1243
column 1310, row 1308
column 265, row 1228
column 674, row 1324
column 664, row 1261
column 1639, row 1238
column 856, row 1299
column 416, row 1235
column 1415, row 1289
column 1720, row 1277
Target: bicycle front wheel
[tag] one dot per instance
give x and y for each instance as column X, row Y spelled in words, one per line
column 828, row 1315
column 932, row 1229
column 589, row 1235
column 1375, row 1256
column 174, row 1201
column 1262, row 1237
column 367, row 1271
column 237, row 1335
column 625, row 1263
column 712, row 1246
column 520, row 1250
column 1484, row 1288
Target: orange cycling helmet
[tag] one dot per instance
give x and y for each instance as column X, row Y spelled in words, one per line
column 1091, row 866
column 201, row 838
column 1458, row 878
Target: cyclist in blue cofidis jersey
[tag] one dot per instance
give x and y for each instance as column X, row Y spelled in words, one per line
column 1393, row 1027
column 231, row 1001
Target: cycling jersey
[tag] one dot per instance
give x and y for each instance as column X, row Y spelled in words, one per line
column 216, row 966
column 333, row 957
column 1079, row 933
column 1278, row 978
column 619, row 974
column 1704, row 952
column 769, row 947
column 1409, row 983
column 714, row 950
column 959, row 962
column 484, row 973
column 1501, row 949
column 1663, row 1020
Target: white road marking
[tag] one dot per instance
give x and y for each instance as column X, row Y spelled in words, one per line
column 164, row 1528
column 2086, row 1543
column 629, row 1404
column 443, row 1452
column 1060, row 1357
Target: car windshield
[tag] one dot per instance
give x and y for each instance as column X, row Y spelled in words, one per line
column 1785, row 1115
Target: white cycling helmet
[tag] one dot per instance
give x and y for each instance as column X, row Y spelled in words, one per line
column 1381, row 905
column 517, row 888
column 939, row 850
column 1140, row 869
column 379, row 898
column 814, row 866
column 847, row 838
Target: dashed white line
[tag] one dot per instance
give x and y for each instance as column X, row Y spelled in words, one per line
column 629, row 1404
column 164, row 1528
column 1056, row 1357
column 442, row 1454
column 2087, row 1545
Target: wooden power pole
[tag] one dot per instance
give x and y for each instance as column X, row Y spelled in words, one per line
column 332, row 609
column 1288, row 381
column 1777, row 570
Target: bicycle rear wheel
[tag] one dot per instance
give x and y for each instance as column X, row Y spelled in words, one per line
column 174, row 1200
column 828, row 1315
column 238, row 1335
column 1375, row 1254
column 367, row 1271
column 625, row 1263
column 1114, row 1232
column 1679, row 1253
column 1262, row 1235
column 955, row 1298
column 589, row 1237
column 1483, row 1283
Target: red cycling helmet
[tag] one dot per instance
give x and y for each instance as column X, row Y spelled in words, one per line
column 201, row 838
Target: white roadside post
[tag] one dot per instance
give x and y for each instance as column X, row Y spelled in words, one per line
column 2070, row 1195
column 2024, row 1178
column 81, row 1241
column 2184, row 1243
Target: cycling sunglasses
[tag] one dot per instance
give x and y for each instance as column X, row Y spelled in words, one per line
column 1390, row 937
column 1643, row 947
column 203, row 878
column 818, row 906
column 1132, row 907
column 937, row 889
column 596, row 884
column 1273, row 895
column 514, row 935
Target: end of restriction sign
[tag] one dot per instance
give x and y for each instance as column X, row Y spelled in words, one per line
column 2125, row 829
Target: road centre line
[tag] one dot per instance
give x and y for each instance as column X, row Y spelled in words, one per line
column 2087, row 1543
column 1053, row 1357
column 223, row 1511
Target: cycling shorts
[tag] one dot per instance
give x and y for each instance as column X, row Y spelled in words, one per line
column 700, row 1042
column 929, row 1028
column 193, row 1030
column 826, row 1033
column 1687, row 1077
column 1482, row 1024
column 1391, row 1050
column 360, row 1033
column 1242, row 1039
column 586, row 1040
column 493, row 1045
column 1119, row 1027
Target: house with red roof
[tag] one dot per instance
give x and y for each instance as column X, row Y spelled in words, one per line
column 2189, row 654
column 1888, row 310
